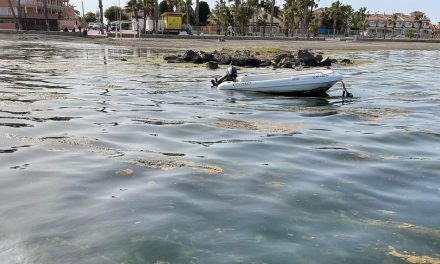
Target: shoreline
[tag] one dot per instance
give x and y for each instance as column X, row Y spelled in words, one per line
column 210, row 44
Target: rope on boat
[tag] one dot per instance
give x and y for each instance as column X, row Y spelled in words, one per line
column 345, row 93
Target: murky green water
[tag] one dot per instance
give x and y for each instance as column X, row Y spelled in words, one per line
column 110, row 161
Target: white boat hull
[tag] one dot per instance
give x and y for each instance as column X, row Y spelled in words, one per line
column 317, row 81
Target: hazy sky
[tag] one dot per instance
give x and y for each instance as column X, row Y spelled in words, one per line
column 430, row 7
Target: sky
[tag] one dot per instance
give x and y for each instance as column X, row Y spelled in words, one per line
column 430, row 7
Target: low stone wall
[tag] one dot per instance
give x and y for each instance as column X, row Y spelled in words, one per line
column 230, row 38
column 51, row 33
column 34, row 32
column 392, row 40
column 7, row 26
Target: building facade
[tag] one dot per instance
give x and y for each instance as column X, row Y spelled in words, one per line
column 38, row 14
column 380, row 25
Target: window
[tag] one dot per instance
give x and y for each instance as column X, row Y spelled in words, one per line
column 5, row 11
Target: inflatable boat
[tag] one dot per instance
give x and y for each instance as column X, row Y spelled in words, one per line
column 309, row 81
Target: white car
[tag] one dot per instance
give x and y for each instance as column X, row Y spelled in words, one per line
column 94, row 26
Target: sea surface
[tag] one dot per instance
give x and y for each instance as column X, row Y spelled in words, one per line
column 108, row 156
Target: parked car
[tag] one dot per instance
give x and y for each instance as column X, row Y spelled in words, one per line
column 94, row 26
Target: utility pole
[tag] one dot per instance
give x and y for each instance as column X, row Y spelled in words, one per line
column 272, row 12
column 120, row 18
column 197, row 15
column 20, row 25
column 187, row 13
column 46, row 15
column 101, row 17
column 13, row 14
column 82, row 3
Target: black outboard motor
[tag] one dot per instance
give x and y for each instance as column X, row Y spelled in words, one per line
column 231, row 75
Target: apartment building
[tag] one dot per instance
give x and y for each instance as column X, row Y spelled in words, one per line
column 382, row 24
column 33, row 14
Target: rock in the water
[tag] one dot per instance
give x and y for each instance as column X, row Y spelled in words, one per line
column 239, row 60
column 189, row 55
column 253, row 62
column 192, row 56
column 286, row 64
column 319, row 57
column 279, row 57
column 169, row 57
column 212, row 65
column 207, row 57
column 346, row 61
column 307, row 58
column 176, row 60
column 224, row 59
column 326, row 62
column 265, row 63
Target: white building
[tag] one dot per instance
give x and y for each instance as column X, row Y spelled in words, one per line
column 380, row 24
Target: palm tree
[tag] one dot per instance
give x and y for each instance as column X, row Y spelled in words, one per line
column 156, row 16
column 305, row 8
column 363, row 19
column 291, row 11
column 197, row 13
column 262, row 22
column 46, row 15
column 147, row 8
column 235, row 6
column 335, row 11
column 101, row 15
column 418, row 18
column 20, row 25
column 393, row 21
column 272, row 13
column 312, row 4
column 13, row 15
column 134, row 6
column 254, row 4
column 219, row 15
column 188, row 4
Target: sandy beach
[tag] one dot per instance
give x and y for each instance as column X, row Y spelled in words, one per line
column 214, row 44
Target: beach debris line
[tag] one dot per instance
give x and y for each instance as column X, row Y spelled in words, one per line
column 247, row 58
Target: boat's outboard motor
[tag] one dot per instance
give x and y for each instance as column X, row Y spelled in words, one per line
column 231, row 75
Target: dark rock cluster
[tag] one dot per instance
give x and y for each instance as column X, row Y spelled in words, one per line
column 246, row 58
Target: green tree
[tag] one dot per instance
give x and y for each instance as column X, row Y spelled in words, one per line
column 147, row 7
column 113, row 13
column 272, row 13
column 335, row 13
column 90, row 17
column 220, row 15
column 188, row 11
column 244, row 15
column 393, row 21
column 262, row 22
column 204, row 12
column 165, row 7
column 418, row 19
column 254, row 5
column 363, row 19
column 133, row 6
column 156, row 15
column 337, row 17
column 358, row 20
column 409, row 33
column 290, row 16
column 313, row 27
